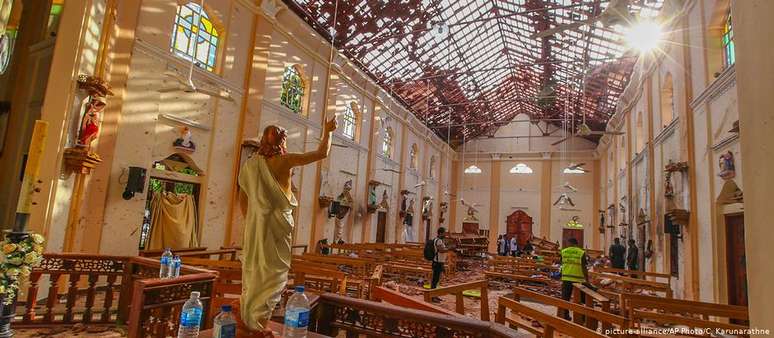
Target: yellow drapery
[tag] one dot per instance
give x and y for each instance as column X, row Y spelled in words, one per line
column 267, row 241
column 173, row 221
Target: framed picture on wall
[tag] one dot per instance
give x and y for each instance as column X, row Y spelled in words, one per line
column 5, row 112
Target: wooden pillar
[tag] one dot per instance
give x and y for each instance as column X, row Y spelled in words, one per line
column 120, row 39
column 401, row 182
column 595, row 237
column 250, row 114
column 753, row 28
column 651, row 173
column 692, row 244
column 494, row 204
column 370, row 172
column 545, row 197
column 456, row 171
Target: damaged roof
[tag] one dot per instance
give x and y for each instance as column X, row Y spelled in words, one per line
column 466, row 68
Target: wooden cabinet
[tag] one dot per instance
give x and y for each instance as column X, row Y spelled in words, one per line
column 519, row 224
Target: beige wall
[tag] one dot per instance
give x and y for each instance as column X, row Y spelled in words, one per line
column 705, row 108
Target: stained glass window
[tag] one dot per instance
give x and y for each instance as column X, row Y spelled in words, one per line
column 387, row 143
column 350, row 121
column 204, row 51
column 729, row 58
column 292, row 89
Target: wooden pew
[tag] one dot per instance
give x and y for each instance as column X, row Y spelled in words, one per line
column 664, row 277
column 622, row 284
column 699, row 315
column 406, row 274
column 521, row 280
column 359, row 267
column 457, row 291
column 549, row 324
column 591, row 299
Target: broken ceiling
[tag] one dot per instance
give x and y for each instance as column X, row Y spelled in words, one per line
column 466, row 68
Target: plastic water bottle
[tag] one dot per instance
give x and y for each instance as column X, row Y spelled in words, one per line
column 174, row 270
column 166, row 263
column 190, row 317
column 225, row 324
column 297, row 314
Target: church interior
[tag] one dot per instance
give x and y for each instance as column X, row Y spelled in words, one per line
column 423, row 168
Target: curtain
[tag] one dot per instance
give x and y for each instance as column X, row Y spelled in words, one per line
column 173, row 221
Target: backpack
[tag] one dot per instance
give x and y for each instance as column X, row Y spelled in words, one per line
column 429, row 251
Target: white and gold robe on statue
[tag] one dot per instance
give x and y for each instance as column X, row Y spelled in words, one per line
column 266, row 246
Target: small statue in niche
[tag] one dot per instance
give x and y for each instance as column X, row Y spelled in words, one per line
column 442, row 210
column 642, row 218
column 602, row 221
column 385, row 203
column 669, row 190
column 403, row 206
column 727, row 167
column 372, row 195
column 185, row 141
column 345, row 205
column 623, row 214
column 427, row 208
column 89, row 127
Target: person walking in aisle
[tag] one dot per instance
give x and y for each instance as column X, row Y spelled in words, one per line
column 632, row 256
column 439, row 260
column 574, row 262
column 514, row 247
column 617, row 252
column 502, row 248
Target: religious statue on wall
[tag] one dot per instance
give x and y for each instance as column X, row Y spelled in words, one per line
column 427, row 208
column 91, row 109
column 727, row 167
column 372, row 197
column 344, row 201
column 472, row 215
column 385, row 203
column 268, row 204
column 669, row 190
column 185, row 141
column 442, row 208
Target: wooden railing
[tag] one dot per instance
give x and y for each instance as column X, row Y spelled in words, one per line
column 457, row 291
column 335, row 313
column 158, row 252
column 664, row 277
column 623, row 284
column 67, row 289
column 548, row 326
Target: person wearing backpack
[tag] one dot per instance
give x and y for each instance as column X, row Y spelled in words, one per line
column 439, row 260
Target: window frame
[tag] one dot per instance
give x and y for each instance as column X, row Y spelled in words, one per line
column 727, row 41
column 210, row 63
column 292, row 70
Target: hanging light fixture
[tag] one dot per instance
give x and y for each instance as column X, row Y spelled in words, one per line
column 473, row 169
column 520, row 168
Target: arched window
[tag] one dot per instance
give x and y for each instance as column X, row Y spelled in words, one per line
column 292, row 89
column 729, row 57
column 387, row 143
column 520, row 168
column 350, row 121
column 667, row 101
column 414, row 155
column 197, row 42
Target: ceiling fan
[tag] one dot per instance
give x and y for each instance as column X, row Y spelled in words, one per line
column 577, row 167
column 390, row 170
column 616, row 12
column 585, row 130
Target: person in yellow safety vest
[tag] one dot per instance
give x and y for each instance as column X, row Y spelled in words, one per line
column 574, row 263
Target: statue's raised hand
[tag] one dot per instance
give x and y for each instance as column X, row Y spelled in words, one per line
column 331, row 125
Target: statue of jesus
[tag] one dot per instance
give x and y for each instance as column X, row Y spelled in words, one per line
column 267, row 203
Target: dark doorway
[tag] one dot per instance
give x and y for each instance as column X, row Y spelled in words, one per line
column 736, row 260
column 381, row 225
column 572, row 233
